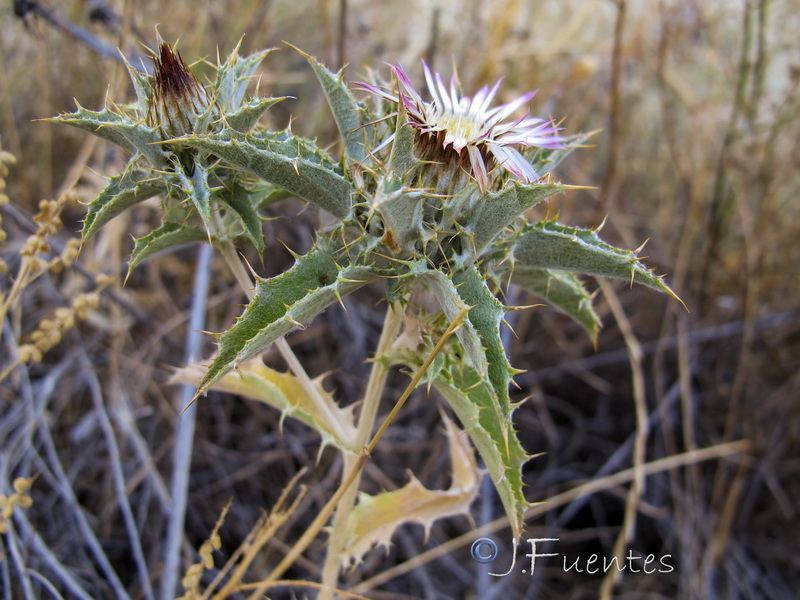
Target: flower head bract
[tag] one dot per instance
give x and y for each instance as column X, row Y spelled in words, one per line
column 452, row 123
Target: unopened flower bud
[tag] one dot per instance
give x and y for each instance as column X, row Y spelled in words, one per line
column 178, row 98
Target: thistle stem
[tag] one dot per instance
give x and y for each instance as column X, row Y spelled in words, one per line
column 351, row 476
column 366, row 423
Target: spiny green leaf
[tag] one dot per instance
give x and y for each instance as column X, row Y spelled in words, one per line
column 284, row 303
column 402, row 160
column 452, row 303
column 499, row 210
column 233, row 77
column 475, row 404
column 350, row 117
column 239, row 199
column 196, row 186
column 141, row 84
column 122, row 192
column 486, row 315
column 562, row 290
column 288, row 162
column 169, row 235
column 486, row 417
column 246, row 117
column 401, row 211
column 548, row 245
column 121, row 130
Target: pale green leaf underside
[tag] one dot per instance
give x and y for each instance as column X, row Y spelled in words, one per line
column 548, row 245
column 562, row 290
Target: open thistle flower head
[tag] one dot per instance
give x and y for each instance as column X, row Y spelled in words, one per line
column 178, row 98
column 450, row 124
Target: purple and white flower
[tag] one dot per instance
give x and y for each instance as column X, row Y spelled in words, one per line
column 454, row 122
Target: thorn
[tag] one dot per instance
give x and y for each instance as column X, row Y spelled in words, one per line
column 197, row 394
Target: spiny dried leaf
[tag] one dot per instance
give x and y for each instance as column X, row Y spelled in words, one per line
column 375, row 519
column 285, row 392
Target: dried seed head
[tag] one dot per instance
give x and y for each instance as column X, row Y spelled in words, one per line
column 178, row 98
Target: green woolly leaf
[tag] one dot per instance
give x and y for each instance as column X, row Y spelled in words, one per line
column 485, row 316
column 478, row 391
column 169, row 235
column 402, row 213
column 350, row 117
column 245, row 118
column 562, row 290
column 452, row 303
column 285, row 161
column 120, row 130
column 402, row 160
column 499, row 210
column 238, row 198
column 141, row 84
column 548, row 245
column 196, row 186
column 122, row 192
column 284, row 303
column 475, row 404
column 233, row 77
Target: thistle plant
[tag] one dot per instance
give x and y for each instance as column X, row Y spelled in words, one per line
column 427, row 195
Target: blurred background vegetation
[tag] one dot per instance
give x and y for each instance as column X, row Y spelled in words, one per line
column 697, row 106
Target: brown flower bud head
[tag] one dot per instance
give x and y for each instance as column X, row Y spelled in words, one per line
column 178, row 98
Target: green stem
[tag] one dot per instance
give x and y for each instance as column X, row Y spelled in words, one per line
column 366, row 423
